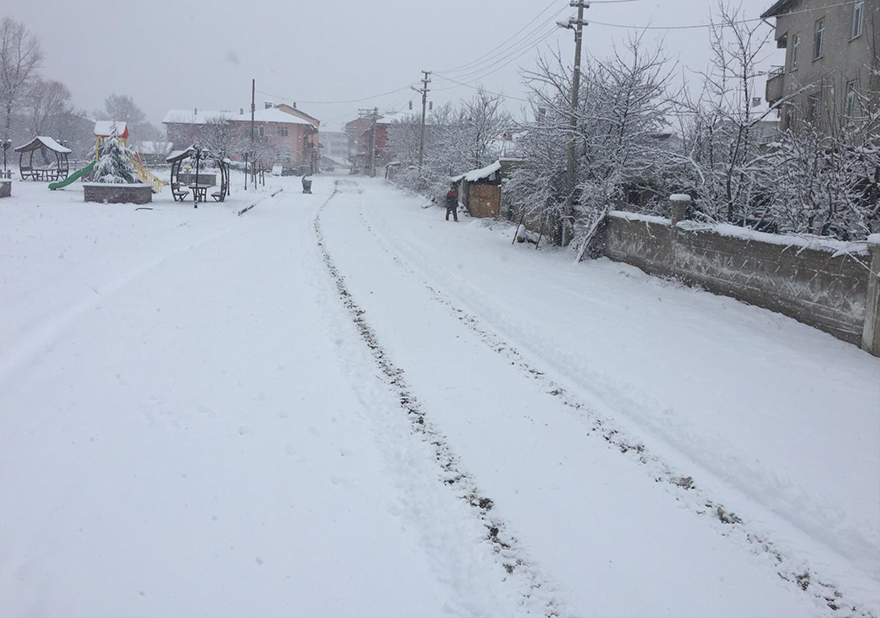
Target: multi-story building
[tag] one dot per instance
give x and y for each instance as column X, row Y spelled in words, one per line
column 368, row 139
column 184, row 127
column 291, row 133
column 334, row 144
column 830, row 76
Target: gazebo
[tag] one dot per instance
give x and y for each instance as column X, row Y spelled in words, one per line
column 180, row 190
column 53, row 171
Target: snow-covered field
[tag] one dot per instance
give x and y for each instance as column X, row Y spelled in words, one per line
column 339, row 404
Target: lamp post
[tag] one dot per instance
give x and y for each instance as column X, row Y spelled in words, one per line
column 576, row 24
column 7, row 144
column 198, row 157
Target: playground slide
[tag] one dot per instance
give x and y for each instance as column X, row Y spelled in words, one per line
column 146, row 176
column 73, row 177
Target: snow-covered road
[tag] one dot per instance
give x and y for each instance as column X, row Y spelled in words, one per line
column 339, row 405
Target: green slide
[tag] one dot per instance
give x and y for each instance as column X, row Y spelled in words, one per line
column 73, row 177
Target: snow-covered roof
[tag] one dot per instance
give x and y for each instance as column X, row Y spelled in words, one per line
column 154, row 148
column 41, row 141
column 195, row 116
column 104, row 128
column 480, row 174
column 272, row 115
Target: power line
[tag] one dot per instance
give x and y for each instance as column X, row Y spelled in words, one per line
column 375, row 96
column 516, row 34
column 501, row 66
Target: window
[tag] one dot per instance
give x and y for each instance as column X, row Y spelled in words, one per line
column 858, row 18
column 795, row 50
column 852, row 100
column 281, row 131
column 819, row 39
column 261, row 131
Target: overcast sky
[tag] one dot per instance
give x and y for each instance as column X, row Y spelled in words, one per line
column 199, row 54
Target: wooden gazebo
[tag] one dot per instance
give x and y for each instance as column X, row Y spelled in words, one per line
column 53, row 171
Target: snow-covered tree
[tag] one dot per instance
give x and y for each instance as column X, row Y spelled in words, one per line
column 621, row 110
column 47, row 101
column 458, row 138
column 114, row 165
column 223, row 138
column 20, row 58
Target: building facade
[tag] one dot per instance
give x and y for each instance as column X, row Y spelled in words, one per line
column 830, row 76
column 290, row 134
column 282, row 134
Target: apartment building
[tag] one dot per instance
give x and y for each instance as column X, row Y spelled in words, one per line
column 830, row 76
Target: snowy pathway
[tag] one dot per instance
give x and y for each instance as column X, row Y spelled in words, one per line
column 335, row 405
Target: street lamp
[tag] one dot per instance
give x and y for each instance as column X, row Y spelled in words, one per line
column 198, row 155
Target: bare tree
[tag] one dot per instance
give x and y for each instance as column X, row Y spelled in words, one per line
column 47, row 102
column 123, row 108
column 20, row 58
column 223, row 138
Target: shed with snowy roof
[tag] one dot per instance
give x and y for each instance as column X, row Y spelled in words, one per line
column 480, row 189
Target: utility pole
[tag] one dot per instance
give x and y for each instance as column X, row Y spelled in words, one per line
column 253, row 150
column 373, row 116
column 578, row 26
column 373, row 143
column 424, row 92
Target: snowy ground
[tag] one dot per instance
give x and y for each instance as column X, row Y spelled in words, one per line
column 339, row 404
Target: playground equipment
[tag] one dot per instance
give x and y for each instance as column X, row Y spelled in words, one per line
column 73, row 177
column 54, row 171
column 104, row 129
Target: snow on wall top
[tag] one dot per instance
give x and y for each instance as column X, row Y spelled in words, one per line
column 272, row 115
column 480, row 174
column 195, row 116
column 832, row 245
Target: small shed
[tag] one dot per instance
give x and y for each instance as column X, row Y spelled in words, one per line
column 50, row 170
column 480, row 191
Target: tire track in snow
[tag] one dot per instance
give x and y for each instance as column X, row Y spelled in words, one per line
column 507, row 552
column 682, row 487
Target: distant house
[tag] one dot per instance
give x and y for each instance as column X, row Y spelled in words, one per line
column 831, row 61
column 154, row 153
column 334, row 144
column 184, row 127
column 293, row 132
column 361, row 139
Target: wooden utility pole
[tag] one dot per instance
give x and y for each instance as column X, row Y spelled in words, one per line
column 373, row 143
column 577, row 25
column 424, row 92
column 253, row 111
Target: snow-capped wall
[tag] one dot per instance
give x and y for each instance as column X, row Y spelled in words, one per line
column 828, row 286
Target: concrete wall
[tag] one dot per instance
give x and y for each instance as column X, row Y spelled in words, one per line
column 835, row 293
column 117, row 194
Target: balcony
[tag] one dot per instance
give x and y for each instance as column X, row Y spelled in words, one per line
column 775, row 85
